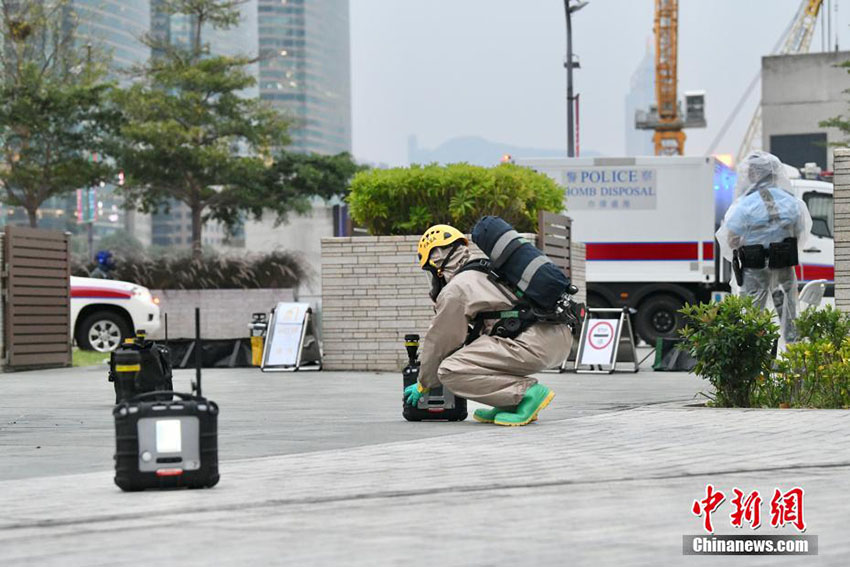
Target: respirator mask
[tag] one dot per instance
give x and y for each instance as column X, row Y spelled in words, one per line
column 434, row 273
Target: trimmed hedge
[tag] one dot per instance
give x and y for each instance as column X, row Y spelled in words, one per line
column 211, row 271
column 407, row 200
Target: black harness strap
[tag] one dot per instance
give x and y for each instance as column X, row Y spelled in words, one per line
column 519, row 312
column 479, row 265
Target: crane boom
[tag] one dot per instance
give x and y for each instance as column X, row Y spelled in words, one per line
column 798, row 40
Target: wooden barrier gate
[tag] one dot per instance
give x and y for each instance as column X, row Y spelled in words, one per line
column 554, row 233
column 37, row 302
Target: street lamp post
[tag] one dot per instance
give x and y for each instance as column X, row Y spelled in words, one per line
column 571, row 6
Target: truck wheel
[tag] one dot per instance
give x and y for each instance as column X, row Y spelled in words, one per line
column 103, row 331
column 658, row 316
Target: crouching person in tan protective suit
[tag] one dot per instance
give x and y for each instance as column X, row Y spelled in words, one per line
column 492, row 370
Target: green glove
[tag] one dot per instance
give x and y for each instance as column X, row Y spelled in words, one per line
column 413, row 392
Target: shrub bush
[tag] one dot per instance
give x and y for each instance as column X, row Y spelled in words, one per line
column 808, row 375
column 828, row 324
column 210, row 271
column 407, row 200
column 732, row 343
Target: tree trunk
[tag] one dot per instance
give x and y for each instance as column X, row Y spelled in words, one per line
column 31, row 213
column 197, row 228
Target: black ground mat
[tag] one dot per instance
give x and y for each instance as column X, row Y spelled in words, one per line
column 215, row 353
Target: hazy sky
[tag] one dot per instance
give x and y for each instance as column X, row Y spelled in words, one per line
column 494, row 68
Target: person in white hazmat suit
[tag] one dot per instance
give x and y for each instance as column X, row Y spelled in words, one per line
column 763, row 233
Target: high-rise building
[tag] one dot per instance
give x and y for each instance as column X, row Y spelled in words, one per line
column 640, row 96
column 305, row 70
column 305, row 73
column 116, row 26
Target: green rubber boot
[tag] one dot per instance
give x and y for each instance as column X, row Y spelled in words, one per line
column 489, row 415
column 486, row 415
column 535, row 399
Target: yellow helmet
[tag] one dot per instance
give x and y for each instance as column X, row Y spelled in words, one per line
column 435, row 237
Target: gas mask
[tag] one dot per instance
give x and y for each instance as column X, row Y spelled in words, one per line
column 434, row 273
column 435, row 282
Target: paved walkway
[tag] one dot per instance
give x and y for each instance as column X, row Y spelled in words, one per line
column 319, row 470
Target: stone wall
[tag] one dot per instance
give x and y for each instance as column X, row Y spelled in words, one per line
column 842, row 228
column 3, row 306
column 373, row 293
column 225, row 313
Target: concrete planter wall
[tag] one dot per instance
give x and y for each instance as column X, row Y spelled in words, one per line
column 2, row 306
column 225, row 313
column 373, row 293
column 841, row 202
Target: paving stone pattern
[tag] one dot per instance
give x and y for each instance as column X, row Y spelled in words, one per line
column 320, row 469
column 612, row 489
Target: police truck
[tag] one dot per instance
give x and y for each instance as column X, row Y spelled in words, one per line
column 648, row 224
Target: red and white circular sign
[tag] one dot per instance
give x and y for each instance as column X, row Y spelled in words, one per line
column 600, row 334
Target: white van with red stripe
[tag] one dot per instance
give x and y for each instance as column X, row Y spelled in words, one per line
column 104, row 312
column 649, row 223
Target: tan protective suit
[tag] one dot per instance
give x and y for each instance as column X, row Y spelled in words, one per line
column 491, row 370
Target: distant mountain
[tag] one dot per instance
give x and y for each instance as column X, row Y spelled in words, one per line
column 477, row 151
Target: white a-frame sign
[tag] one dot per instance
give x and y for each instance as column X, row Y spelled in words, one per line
column 606, row 339
column 291, row 342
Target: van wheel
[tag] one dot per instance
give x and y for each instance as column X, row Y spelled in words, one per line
column 102, row 331
column 658, row 316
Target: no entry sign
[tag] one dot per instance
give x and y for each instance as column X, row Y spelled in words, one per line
column 599, row 339
column 606, row 340
column 601, row 334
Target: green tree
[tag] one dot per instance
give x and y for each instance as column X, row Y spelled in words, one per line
column 189, row 134
column 53, row 120
column 293, row 179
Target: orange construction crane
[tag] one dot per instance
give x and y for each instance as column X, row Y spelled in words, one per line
column 666, row 117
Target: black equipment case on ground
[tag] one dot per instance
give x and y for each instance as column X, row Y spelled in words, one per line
column 147, row 371
column 438, row 404
column 145, row 456
column 163, row 442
